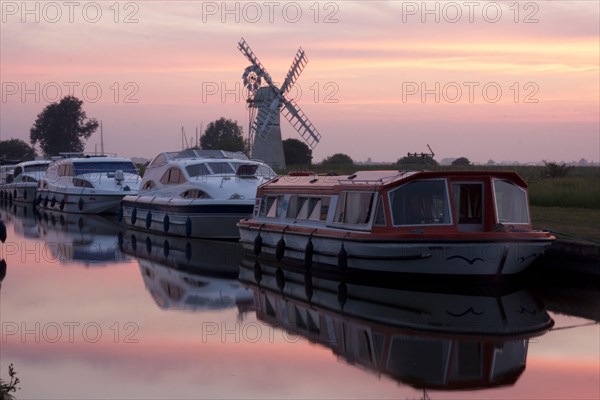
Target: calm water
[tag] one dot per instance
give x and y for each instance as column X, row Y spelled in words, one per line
column 89, row 310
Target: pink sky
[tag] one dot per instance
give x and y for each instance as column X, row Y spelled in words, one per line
column 164, row 65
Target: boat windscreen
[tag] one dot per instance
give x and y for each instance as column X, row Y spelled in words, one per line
column 102, row 167
column 36, row 168
column 220, row 168
column 246, row 169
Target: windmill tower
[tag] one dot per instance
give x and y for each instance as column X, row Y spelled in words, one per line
column 265, row 103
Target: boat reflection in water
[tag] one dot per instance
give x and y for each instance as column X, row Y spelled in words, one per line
column 88, row 239
column 430, row 339
column 23, row 218
column 189, row 274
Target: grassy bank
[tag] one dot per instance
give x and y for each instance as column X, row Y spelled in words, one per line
column 573, row 222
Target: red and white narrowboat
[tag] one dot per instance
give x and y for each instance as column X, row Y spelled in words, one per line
column 418, row 222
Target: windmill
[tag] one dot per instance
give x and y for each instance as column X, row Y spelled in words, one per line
column 265, row 103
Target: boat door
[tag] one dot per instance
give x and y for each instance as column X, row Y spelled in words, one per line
column 468, row 199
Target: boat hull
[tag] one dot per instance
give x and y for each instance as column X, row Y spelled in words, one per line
column 420, row 257
column 23, row 192
column 186, row 218
column 80, row 201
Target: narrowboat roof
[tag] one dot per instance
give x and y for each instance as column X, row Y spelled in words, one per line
column 371, row 180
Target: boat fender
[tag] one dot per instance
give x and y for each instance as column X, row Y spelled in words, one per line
column 308, row 285
column 2, row 269
column 62, row 204
column 280, row 249
column 188, row 227
column 280, row 279
column 133, row 242
column 133, row 216
column 342, row 294
column 46, row 202
column 188, row 251
column 308, row 254
column 80, row 204
column 148, row 245
column 342, row 258
column 257, row 244
column 148, row 220
column 120, row 213
column 257, row 272
column 166, row 223
column 53, row 202
column 166, row 248
column 2, row 232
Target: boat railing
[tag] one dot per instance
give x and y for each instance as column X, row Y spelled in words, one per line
column 351, row 179
column 197, row 153
column 81, row 155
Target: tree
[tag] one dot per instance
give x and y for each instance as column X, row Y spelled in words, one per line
column 223, row 134
column 338, row 159
column 462, row 162
column 16, row 149
column 296, row 152
column 62, row 127
column 417, row 161
column 555, row 170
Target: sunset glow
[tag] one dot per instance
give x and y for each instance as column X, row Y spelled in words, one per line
column 521, row 80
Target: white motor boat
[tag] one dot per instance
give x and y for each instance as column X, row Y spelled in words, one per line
column 196, row 193
column 88, row 184
column 25, row 177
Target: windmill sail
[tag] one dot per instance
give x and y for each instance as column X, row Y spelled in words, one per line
column 246, row 51
column 292, row 112
column 270, row 101
column 298, row 65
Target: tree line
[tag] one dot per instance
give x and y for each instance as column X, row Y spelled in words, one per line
column 64, row 127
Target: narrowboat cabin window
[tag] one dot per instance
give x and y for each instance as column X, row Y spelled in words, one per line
column 421, row 202
column 469, row 202
column 308, row 208
column 511, row 203
column 380, row 213
column 354, row 208
column 271, row 206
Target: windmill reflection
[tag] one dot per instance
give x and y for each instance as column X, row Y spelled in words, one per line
column 442, row 339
